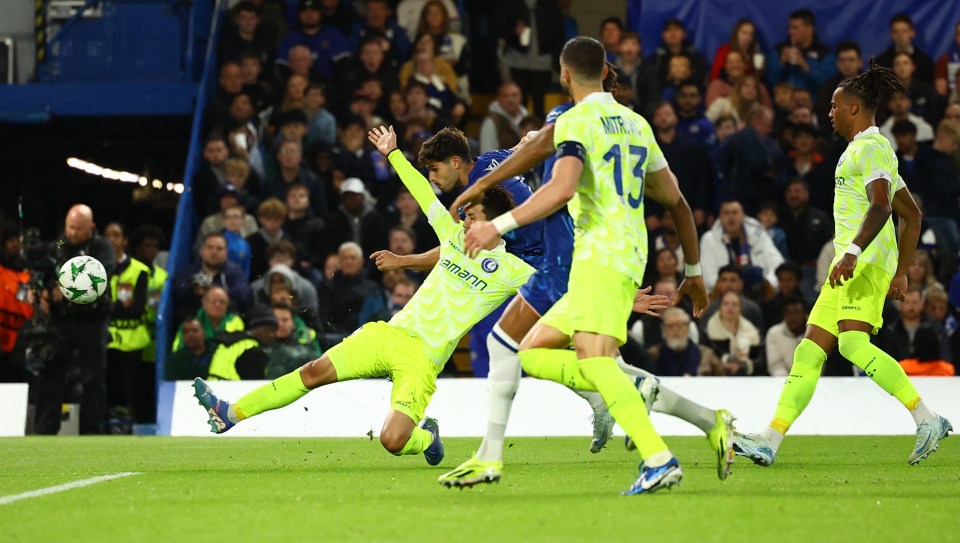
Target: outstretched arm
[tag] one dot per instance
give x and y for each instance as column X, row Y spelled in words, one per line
column 545, row 201
column 387, row 261
column 662, row 186
column 910, row 223
column 527, row 154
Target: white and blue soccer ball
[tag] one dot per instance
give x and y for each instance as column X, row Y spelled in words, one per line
column 82, row 279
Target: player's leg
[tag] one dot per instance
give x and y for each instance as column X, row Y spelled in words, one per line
column 717, row 424
column 414, row 382
column 503, row 344
column 861, row 314
column 355, row 357
column 808, row 358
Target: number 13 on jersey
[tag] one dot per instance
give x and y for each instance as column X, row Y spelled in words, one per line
column 632, row 194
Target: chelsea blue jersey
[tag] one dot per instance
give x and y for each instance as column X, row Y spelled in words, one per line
column 526, row 242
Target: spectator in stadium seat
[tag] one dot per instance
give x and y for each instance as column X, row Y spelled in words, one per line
column 241, row 355
column 789, row 276
column 920, row 274
column 804, row 161
column 749, row 161
column 902, row 34
column 271, row 214
column 676, row 354
column 743, row 40
column 638, row 76
column 227, row 196
column 849, row 64
column 691, row 120
column 897, row 337
column 340, row 15
column 322, row 127
column 679, row 71
column 409, row 13
column 296, row 344
column 807, row 227
column 936, row 180
column 406, row 212
column 782, row 339
column 442, row 97
column 533, row 34
column 378, row 24
column 355, row 220
column 283, row 269
column 693, row 176
column 384, row 304
column 305, row 230
column 299, row 62
column 213, row 268
column 924, row 101
column 673, row 44
column 732, row 337
column 354, row 158
column 941, row 70
column 342, row 297
column 238, row 250
column 272, row 21
column 254, row 84
column 611, row 36
column 500, row 129
column 214, row 316
column 452, row 46
column 246, row 142
column 369, row 63
column 736, row 69
column 327, row 44
column 211, row 174
column 741, row 241
column 245, row 34
column 293, row 172
column 193, row 358
column 899, row 105
column 729, row 280
column 229, row 84
column 801, row 59
column 769, row 217
column 428, row 45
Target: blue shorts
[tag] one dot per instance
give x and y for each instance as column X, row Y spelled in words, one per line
column 545, row 287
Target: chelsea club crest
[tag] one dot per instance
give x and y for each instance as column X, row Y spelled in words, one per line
column 489, row 265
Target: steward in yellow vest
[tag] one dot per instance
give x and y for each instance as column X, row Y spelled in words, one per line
column 240, row 355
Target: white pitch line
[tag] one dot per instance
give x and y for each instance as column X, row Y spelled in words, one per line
column 4, row 500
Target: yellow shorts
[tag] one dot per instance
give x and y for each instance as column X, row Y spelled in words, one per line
column 599, row 300
column 858, row 299
column 380, row 350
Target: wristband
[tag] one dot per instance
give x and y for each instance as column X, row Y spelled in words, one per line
column 505, row 223
column 391, row 152
column 692, row 270
column 853, row 249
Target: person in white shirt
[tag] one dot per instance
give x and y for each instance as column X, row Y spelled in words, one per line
column 782, row 339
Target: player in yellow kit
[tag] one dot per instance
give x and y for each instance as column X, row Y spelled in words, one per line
column 608, row 161
column 412, row 348
column 869, row 265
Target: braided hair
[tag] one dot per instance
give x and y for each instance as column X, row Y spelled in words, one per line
column 870, row 86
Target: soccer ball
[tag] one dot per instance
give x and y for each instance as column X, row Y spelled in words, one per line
column 82, row 279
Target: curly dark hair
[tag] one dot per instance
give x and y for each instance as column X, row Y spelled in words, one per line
column 870, row 86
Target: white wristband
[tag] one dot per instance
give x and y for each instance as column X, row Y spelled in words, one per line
column 853, row 249
column 505, row 223
column 692, row 270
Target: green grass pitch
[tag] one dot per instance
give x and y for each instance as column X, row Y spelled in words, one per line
column 288, row 490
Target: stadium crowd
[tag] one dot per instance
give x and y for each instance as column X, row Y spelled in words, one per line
column 292, row 200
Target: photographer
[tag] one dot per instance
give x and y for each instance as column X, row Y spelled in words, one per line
column 16, row 302
column 81, row 330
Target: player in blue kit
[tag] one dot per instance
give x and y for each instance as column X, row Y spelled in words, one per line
column 537, row 296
